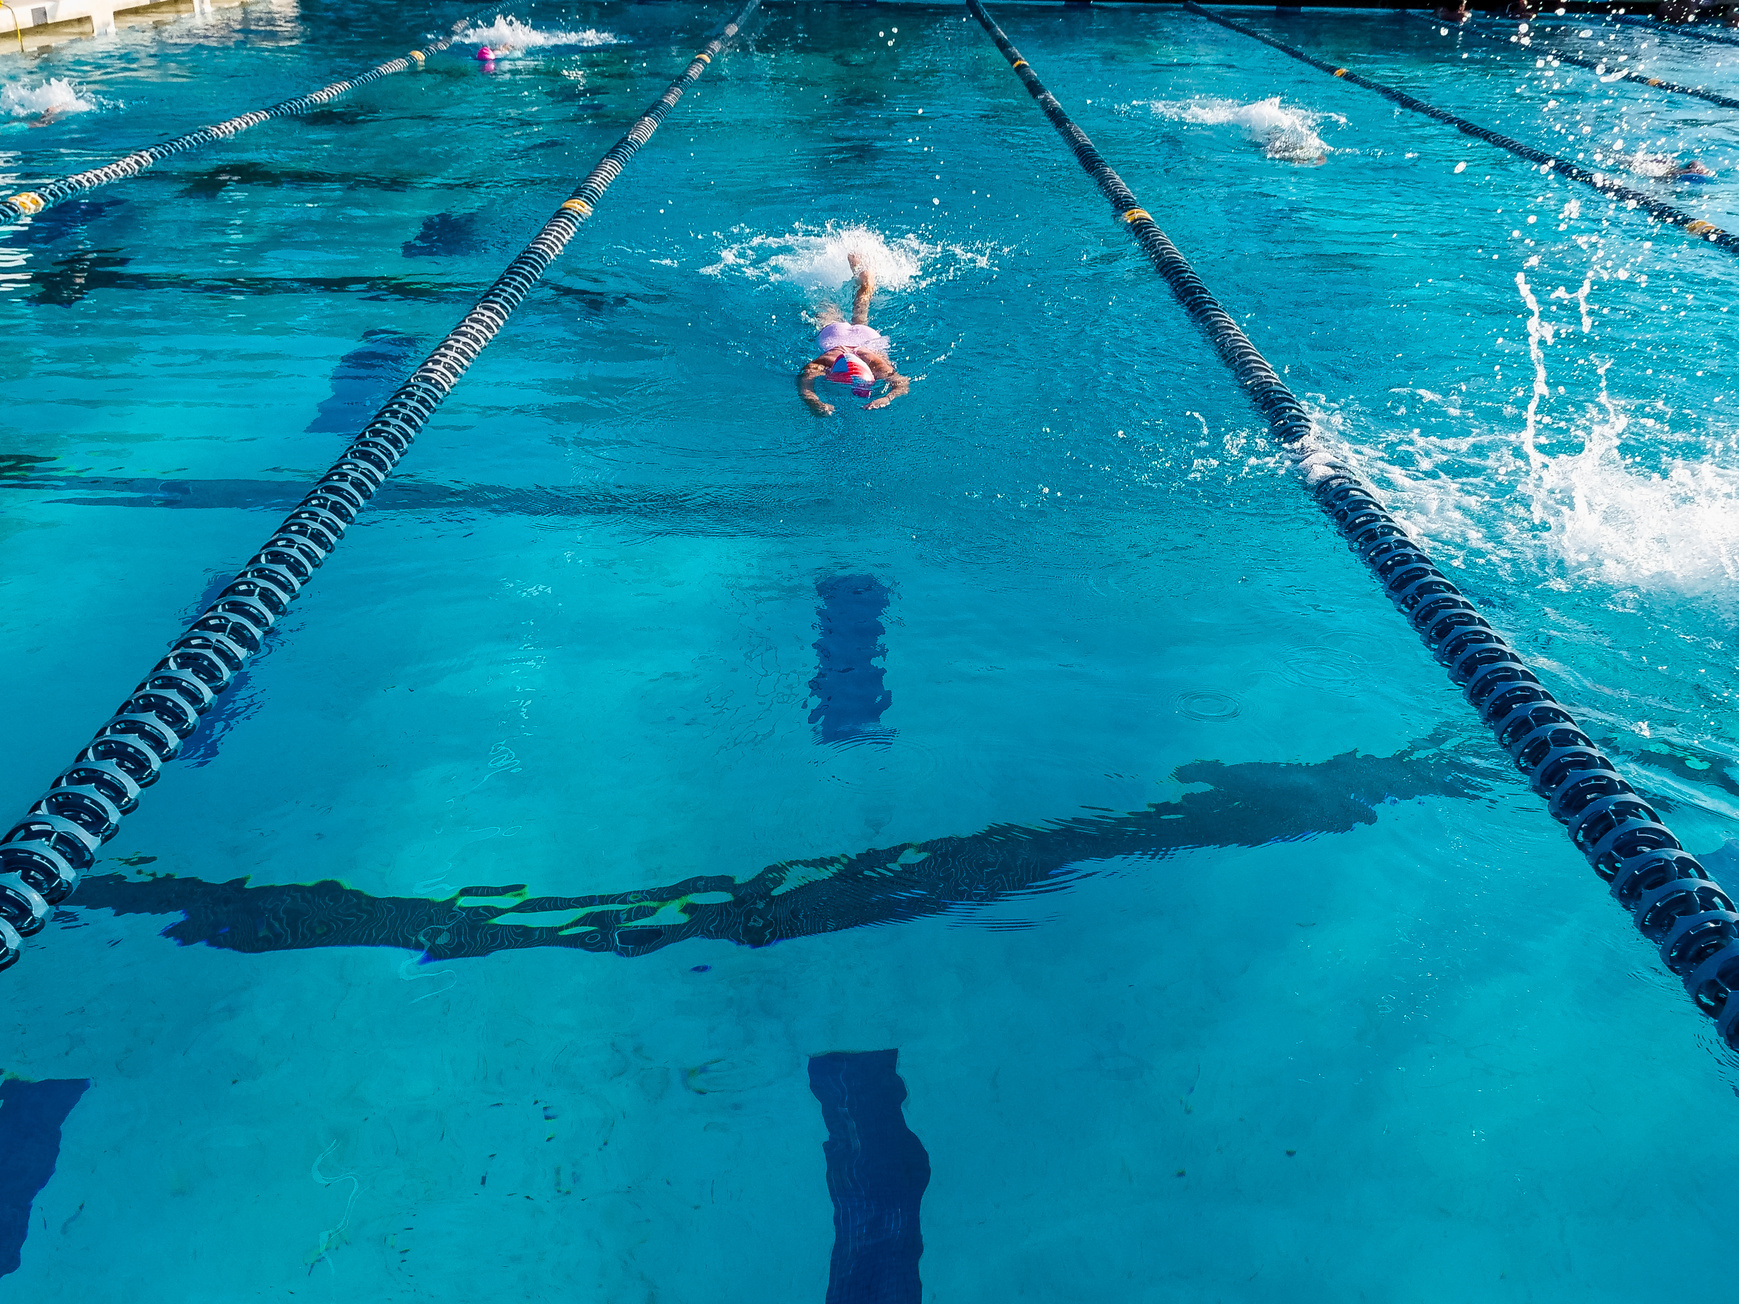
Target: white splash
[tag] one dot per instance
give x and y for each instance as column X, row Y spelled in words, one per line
column 1612, row 511
column 1581, row 297
column 1630, row 525
column 1283, row 133
column 1539, row 332
column 1659, row 167
column 817, row 260
column 507, row 34
column 53, row 98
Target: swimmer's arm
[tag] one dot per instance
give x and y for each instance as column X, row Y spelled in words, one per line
column 897, row 384
column 806, row 387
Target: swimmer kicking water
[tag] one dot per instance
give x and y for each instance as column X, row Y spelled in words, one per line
column 852, row 352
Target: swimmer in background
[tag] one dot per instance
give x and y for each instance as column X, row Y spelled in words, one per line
column 1666, row 167
column 852, row 352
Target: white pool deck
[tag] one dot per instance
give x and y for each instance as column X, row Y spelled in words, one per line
column 27, row 26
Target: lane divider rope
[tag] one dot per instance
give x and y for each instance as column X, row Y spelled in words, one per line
column 42, row 856
column 1600, row 67
column 28, row 203
column 1546, row 162
column 1689, row 918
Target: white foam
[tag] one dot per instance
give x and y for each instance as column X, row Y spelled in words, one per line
column 1656, row 166
column 1283, row 133
column 55, row 96
column 1679, row 526
column 1596, row 512
column 817, row 260
column 512, row 34
column 1539, row 332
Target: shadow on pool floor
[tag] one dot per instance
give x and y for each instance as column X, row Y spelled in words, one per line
column 1245, row 805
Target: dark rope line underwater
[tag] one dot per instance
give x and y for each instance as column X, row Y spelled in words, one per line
column 43, row 855
column 30, row 202
column 1673, row 903
column 1597, row 181
column 1246, row 805
column 71, row 280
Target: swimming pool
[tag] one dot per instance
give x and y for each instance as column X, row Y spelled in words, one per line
column 1222, row 954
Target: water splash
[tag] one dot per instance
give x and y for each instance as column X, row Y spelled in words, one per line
column 1284, row 133
column 1658, row 167
column 1540, row 333
column 507, row 34
column 817, row 260
column 54, row 98
column 1595, row 514
column 1628, row 525
column 1581, row 297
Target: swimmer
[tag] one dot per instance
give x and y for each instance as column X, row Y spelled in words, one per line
column 1666, row 167
column 852, row 352
column 490, row 53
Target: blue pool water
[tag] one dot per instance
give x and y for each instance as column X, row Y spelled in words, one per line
column 1152, row 912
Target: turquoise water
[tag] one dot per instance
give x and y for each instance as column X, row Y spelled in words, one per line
column 1224, row 956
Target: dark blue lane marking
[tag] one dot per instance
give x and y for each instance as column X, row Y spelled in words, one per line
column 876, row 1173
column 446, row 235
column 364, row 379
column 31, row 1114
column 850, row 696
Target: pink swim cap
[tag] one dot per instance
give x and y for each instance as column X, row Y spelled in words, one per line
column 854, row 371
column 485, row 53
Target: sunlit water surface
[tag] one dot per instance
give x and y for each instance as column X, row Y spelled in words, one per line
column 1224, row 957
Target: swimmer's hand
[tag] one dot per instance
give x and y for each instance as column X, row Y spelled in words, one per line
column 806, row 378
column 897, row 385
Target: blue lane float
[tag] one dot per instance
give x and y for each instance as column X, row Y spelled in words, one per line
column 239, row 701
column 1677, row 907
column 1546, row 162
column 43, row 855
column 28, row 203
